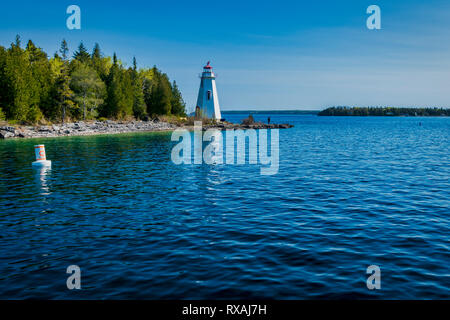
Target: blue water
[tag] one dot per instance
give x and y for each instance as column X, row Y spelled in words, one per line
column 350, row 192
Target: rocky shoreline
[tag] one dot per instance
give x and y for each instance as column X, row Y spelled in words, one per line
column 83, row 129
column 113, row 127
column 255, row 125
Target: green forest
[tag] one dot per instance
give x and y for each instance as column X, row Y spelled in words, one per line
column 35, row 88
column 384, row 111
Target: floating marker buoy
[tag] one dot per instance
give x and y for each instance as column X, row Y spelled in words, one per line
column 41, row 159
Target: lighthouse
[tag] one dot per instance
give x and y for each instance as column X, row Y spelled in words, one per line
column 208, row 100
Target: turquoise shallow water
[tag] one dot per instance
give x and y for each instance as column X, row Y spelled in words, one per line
column 350, row 192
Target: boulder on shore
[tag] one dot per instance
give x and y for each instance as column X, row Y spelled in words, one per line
column 248, row 121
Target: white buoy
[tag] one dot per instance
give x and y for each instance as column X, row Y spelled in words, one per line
column 41, row 159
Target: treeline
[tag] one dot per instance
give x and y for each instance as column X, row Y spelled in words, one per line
column 384, row 111
column 34, row 87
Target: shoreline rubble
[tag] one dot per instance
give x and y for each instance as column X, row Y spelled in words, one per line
column 114, row 127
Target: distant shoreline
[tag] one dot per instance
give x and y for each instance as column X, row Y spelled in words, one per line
column 384, row 112
column 314, row 112
column 355, row 112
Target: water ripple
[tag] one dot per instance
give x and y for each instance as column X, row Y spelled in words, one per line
column 350, row 192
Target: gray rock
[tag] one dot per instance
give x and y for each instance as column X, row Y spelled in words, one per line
column 9, row 129
column 44, row 129
column 6, row 134
column 248, row 120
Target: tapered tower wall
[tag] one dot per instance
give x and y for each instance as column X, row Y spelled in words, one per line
column 208, row 99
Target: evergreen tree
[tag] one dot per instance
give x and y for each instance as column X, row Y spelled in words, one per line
column 81, row 54
column 96, row 53
column 159, row 102
column 113, row 91
column 22, row 91
column 139, row 106
column 147, row 76
column 178, row 105
column 42, row 76
column 64, row 50
column 119, row 102
column 36, row 54
column 126, row 104
column 63, row 94
column 164, row 92
column 3, row 80
column 53, row 109
column 18, row 42
column 101, row 64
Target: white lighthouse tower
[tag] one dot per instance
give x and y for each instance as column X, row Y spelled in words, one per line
column 208, row 100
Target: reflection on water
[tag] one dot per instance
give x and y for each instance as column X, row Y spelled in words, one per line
column 213, row 150
column 349, row 193
column 42, row 174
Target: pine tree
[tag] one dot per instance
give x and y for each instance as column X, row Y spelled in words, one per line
column 126, row 106
column 42, row 76
column 96, row 53
column 114, row 59
column 18, row 42
column 178, row 105
column 113, row 91
column 147, row 76
column 53, row 109
column 161, row 95
column 62, row 93
column 81, row 54
column 119, row 102
column 101, row 64
column 21, row 92
column 138, row 93
column 3, row 79
column 64, row 50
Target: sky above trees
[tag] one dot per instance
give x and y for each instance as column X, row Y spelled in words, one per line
column 267, row 54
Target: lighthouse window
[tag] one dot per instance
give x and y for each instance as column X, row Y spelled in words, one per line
column 209, row 94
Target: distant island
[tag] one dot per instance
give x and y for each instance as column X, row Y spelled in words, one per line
column 385, row 111
column 270, row 111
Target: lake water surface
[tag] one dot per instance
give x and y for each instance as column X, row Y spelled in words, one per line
column 350, row 192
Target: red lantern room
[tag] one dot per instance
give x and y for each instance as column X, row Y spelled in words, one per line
column 207, row 67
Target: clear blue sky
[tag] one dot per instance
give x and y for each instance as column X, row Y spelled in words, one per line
column 267, row 54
